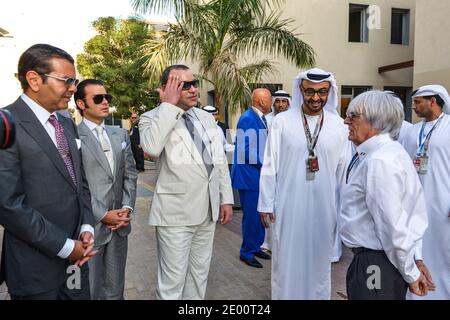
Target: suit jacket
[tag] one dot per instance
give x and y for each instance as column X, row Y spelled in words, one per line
column 134, row 137
column 184, row 192
column 224, row 127
column 251, row 136
column 40, row 206
column 108, row 191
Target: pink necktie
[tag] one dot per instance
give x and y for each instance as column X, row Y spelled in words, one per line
column 63, row 146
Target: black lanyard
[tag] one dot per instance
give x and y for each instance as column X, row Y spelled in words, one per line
column 312, row 140
column 353, row 163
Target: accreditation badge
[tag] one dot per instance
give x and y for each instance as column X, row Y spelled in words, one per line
column 421, row 164
column 312, row 166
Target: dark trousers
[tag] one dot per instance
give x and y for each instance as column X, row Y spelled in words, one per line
column 252, row 228
column 371, row 276
column 63, row 292
column 138, row 155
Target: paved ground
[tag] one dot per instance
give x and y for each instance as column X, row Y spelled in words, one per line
column 229, row 278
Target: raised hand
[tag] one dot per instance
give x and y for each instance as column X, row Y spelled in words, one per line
column 171, row 91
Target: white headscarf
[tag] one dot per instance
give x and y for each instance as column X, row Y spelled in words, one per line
column 210, row 109
column 316, row 75
column 280, row 94
column 433, row 90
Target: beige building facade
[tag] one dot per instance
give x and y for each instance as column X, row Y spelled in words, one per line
column 366, row 44
column 355, row 55
column 432, row 43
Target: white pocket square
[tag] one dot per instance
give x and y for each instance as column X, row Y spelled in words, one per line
column 78, row 141
column 124, row 145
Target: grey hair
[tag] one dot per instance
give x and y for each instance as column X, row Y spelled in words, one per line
column 382, row 110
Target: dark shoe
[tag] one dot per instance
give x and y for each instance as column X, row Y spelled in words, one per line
column 252, row 262
column 263, row 255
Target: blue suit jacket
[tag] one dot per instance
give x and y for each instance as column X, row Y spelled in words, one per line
column 251, row 135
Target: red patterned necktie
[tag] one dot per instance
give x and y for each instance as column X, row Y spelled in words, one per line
column 63, row 146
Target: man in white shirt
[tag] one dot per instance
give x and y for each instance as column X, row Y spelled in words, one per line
column 228, row 147
column 383, row 215
column 304, row 167
column 281, row 101
column 111, row 174
column 428, row 144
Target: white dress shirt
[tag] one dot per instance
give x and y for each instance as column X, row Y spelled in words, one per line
column 43, row 115
column 383, row 205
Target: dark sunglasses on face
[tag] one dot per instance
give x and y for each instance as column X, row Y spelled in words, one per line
column 98, row 98
column 188, row 84
column 67, row 81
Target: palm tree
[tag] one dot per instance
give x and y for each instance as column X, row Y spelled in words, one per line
column 219, row 34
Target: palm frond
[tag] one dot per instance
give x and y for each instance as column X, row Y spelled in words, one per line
column 160, row 7
column 254, row 72
column 272, row 37
column 177, row 44
column 217, row 34
column 232, row 82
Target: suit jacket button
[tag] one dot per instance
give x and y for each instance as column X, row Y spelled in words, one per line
column 178, row 116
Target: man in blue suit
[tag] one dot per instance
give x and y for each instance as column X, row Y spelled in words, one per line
column 251, row 138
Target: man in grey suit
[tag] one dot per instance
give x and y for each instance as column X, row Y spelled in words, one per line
column 45, row 204
column 193, row 189
column 110, row 170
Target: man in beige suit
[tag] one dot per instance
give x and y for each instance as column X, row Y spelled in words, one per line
column 193, row 189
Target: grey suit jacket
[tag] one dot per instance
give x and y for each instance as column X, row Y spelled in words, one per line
column 40, row 206
column 108, row 191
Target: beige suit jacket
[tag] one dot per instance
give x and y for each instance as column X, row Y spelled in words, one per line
column 184, row 193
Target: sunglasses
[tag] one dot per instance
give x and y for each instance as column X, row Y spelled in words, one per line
column 188, row 84
column 98, row 98
column 67, row 81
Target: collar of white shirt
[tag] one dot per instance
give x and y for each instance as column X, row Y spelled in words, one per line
column 91, row 125
column 373, row 143
column 41, row 113
column 258, row 112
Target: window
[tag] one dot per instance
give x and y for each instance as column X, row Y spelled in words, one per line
column 400, row 26
column 358, row 30
column 404, row 93
column 348, row 93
